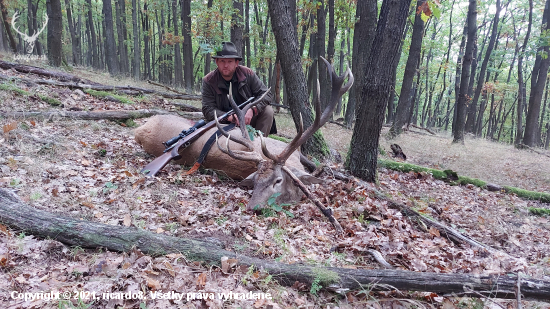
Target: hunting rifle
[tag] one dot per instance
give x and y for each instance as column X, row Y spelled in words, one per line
column 183, row 140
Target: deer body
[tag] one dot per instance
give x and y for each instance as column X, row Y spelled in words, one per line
column 161, row 128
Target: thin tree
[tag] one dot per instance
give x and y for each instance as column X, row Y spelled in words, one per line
column 92, row 36
column 472, row 108
column 375, row 89
column 137, row 49
column 178, row 67
column 110, row 45
column 404, row 103
column 461, row 105
column 187, row 44
column 237, row 26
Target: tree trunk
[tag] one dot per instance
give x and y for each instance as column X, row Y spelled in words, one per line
column 110, row 45
column 237, row 26
column 3, row 41
column 363, row 35
column 7, row 26
column 55, row 32
column 295, row 81
column 74, row 41
column 91, row 31
column 375, row 89
column 320, row 45
column 123, row 37
column 538, row 79
column 404, row 103
column 178, row 67
column 137, row 49
column 17, row 215
column 461, row 106
column 146, row 44
column 187, row 45
column 471, row 120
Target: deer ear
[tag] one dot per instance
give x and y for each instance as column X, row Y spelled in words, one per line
column 248, row 181
column 306, row 178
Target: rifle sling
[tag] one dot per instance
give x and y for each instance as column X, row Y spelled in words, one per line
column 206, row 148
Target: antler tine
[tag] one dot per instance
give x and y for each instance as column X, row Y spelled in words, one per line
column 37, row 33
column 238, row 112
column 14, row 18
column 237, row 154
column 266, row 151
column 241, row 140
column 320, row 119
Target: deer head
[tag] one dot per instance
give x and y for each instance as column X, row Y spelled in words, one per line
column 271, row 176
column 29, row 40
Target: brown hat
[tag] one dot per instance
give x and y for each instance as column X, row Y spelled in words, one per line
column 228, row 51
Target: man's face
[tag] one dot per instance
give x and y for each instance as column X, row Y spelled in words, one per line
column 227, row 67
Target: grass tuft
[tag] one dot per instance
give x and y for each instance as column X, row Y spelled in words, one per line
column 13, row 88
column 104, row 94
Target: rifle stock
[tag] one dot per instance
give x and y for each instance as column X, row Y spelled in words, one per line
column 159, row 163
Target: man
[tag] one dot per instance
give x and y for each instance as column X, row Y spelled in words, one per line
column 246, row 84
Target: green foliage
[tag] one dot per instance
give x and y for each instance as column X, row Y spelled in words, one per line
column 280, row 138
column 272, row 208
column 539, row 211
column 13, row 88
column 49, row 100
column 104, row 94
column 109, row 186
column 530, row 195
column 315, row 286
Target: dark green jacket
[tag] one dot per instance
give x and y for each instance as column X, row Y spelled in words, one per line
column 214, row 91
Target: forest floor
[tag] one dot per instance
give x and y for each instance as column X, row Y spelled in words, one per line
column 90, row 170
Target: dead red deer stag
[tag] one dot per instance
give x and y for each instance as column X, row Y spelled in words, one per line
column 272, row 176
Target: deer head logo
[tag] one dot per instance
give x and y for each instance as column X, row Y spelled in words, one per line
column 29, row 40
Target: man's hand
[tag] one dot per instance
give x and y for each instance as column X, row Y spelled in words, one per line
column 247, row 117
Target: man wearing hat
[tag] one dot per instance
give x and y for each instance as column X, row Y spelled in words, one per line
column 246, row 84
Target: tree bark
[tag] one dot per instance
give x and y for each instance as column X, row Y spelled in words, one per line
column 110, row 45
column 72, row 231
column 7, row 26
column 55, row 32
column 461, row 106
column 538, row 81
column 91, row 33
column 404, row 103
column 237, row 26
column 178, row 67
column 137, row 48
column 75, row 41
column 363, row 35
column 375, row 89
column 187, row 45
column 295, row 81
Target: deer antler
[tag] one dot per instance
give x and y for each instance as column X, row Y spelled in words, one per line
column 245, row 139
column 36, row 34
column 14, row 18
column 338, row 89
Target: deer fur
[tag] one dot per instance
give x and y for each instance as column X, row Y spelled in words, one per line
column 161, row 128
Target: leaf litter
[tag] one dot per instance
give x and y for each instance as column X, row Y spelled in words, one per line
column 91, row 171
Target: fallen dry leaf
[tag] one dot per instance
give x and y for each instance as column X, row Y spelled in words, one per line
column 127, row 220
column 153, row 284
column 201, row 281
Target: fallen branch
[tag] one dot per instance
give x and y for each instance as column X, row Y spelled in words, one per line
column 94, row 86
column 90, row 115
column 340, row 124
column 76, row 232
column 39, row 71
column 325, row 211
column 533, row 150
column 422, row 128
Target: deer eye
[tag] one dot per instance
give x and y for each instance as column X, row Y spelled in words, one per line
column 278, row 181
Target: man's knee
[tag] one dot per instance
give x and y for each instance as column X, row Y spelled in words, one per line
column 264, row 120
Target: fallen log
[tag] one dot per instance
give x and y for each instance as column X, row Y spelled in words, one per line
column 130, row 90
column 76, row 232
column 39, row 71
